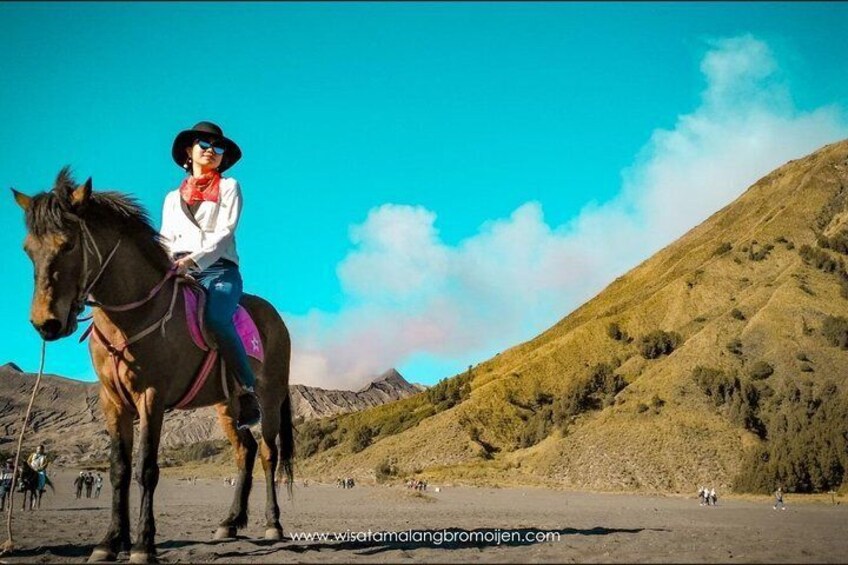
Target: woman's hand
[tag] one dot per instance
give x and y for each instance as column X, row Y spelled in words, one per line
column 184, row 265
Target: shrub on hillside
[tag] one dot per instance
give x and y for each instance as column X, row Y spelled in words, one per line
column 821, row 260
column 760, row 253
column 385, row 470
column 592, row 392
column 450, row 392
column 487, row 450
column 314, row 436
column 537, row 428
column 196, row 451
column 838, row 242
column 361, row 438
column 740, row 399
column 735, row 346
column 835, row 331
column 614, row 331
column 807, row 447
column 716, row 384
column 737, row 314
column 658, row 343
column 760, row 370
column 396, row 420
column 722, row 249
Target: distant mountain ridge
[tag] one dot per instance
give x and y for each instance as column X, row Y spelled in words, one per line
column 66, row 414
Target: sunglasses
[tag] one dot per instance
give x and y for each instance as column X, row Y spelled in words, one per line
column 204, row 145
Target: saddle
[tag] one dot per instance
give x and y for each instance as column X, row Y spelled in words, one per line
column 245, row 326
column 195, row 305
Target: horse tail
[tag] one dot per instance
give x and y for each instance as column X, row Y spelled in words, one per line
column 49, row 483
column 287, row 441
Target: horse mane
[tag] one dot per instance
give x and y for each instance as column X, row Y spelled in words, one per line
column 48, row 212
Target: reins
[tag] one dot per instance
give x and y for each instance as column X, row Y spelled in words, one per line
column 85, row 299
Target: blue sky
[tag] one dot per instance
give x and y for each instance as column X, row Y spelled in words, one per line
column 425, row 184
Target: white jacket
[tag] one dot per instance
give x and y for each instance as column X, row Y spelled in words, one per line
column 210, row 234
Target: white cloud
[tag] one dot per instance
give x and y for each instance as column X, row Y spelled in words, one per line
column 411, row 293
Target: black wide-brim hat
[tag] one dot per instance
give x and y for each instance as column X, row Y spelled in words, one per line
column 205, row 130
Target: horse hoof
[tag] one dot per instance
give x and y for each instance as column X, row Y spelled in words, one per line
column 225, row 532
column 142, row 557
column 101, row 555
column 273, row 534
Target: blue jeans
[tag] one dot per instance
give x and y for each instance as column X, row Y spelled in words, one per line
column 222, row 280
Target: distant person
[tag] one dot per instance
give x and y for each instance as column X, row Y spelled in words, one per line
column 89, row 482
column 98, row 485
column 778, row 498
column 38, row 462
column 702, row 495
column 79, row 482
column 6, row 476
column 713, row 497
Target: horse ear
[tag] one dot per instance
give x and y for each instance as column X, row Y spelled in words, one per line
column 80, row 194
column 22, row 199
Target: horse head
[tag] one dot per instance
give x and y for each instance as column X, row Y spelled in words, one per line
column 72, row 235
column 54, row 244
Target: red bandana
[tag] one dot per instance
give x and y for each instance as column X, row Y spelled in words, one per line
column 197, row 189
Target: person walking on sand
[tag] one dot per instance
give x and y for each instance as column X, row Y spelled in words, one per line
column 778, row 497
column 5, row 483
column 199, row 221
column 89, row 482
column 98, row 484
column 713, row 497
column 79, row 482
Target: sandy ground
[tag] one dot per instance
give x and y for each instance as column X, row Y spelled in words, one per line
column 586, row 527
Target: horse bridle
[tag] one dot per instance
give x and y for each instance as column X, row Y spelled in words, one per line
column 84, row 297
column 90, row 245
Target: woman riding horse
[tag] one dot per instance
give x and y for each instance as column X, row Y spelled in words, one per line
column 199, row 222
column 99, row 248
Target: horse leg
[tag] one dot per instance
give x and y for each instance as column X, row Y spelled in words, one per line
column 244, row 447
column 119, row 424
column 269, row 454
column 151, row 413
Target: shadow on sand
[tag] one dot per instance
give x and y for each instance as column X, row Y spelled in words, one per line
column 361, row 544
column 84, row 550
column 446, row 539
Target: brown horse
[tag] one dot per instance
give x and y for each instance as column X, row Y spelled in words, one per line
column 27, row 483
column 99, row 248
